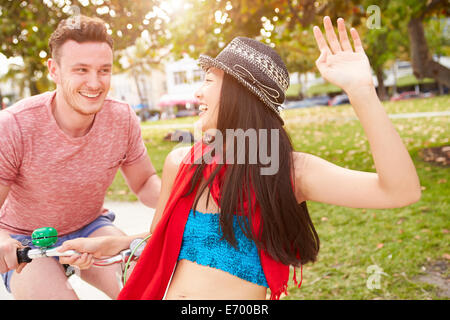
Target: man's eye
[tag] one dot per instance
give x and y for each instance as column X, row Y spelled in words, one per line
column 81, row 70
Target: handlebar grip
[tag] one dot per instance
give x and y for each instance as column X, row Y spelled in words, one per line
column 22, row 255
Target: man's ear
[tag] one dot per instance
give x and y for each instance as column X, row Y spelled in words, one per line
column 53, row 66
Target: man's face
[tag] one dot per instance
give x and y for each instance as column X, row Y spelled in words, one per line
column 83, row 74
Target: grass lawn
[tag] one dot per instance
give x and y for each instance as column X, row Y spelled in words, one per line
column 402, row 242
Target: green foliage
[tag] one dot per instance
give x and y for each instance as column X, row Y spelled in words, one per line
column 322, row 88
column 294, row 90
column 411, row 80
column 437, row 33
column 26, row 26
column 209, row 25
column 203, row 26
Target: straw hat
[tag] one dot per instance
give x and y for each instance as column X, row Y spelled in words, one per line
column 256, row 66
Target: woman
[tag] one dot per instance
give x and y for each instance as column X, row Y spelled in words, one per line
column 228, row 231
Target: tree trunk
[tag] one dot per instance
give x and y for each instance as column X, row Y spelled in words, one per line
column 138, row 86
column 382, row 93
column 32, row 83
column 422, row 63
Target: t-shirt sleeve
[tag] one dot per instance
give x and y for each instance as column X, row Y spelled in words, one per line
column 136, row 150
column 11, row 148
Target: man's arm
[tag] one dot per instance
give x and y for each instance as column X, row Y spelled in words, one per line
column 4, row 190
column 142, row 179
column 8, row 246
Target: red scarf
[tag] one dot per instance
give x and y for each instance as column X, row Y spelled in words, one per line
column 151, row 275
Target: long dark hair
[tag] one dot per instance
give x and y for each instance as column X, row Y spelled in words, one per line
column 287, row 233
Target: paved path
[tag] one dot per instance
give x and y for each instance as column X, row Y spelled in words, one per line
column 132, row 218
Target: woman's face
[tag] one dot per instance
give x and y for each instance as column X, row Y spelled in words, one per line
column 208, row 96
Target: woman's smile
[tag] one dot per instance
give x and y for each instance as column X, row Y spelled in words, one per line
column 203, row 108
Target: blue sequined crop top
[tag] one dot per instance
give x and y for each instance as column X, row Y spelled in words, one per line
column 202, row 244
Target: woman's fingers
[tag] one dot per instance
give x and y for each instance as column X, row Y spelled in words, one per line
column 74, row 244
column 83, row 261
column 320, row 40
column 356, row 40
column 343, row 38
column 68, row 260
column 331, row 35
column 335, row 45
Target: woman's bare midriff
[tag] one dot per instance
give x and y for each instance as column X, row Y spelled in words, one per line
column 193, row 281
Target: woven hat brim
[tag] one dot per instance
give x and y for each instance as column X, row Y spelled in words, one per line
column 206, row 62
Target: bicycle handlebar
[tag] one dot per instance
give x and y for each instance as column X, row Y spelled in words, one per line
column 22, row 255
column 26, row 255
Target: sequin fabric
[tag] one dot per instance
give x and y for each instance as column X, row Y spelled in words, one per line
column 202, row 244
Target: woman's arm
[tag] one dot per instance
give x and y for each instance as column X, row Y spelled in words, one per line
column 105, row 246
column 395, row 184
column 170, row 170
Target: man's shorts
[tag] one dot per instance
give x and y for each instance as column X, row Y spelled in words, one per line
column 102, row 221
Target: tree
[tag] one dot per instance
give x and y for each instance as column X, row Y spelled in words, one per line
column 138, row 60
column 25, row 27
column 383, row 42
column 206, row 26
column 422, row 62
column 284, row 24
column 409, row 17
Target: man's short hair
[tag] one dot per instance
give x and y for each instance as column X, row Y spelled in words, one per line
column 85, row 29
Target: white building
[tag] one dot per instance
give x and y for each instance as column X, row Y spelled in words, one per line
column 183, row 78
column 137, row 89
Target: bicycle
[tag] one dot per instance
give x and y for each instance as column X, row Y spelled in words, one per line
column 45, row 238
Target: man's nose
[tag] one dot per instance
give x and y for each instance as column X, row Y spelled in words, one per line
column 93, row 81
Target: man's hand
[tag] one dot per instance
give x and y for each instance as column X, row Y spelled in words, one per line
column 8, row 254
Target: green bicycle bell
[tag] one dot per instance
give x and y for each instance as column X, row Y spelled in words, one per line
column 44, row 237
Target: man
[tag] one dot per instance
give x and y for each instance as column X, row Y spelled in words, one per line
column 59, row 153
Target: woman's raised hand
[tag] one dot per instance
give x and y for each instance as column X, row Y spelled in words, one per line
column 338, row 63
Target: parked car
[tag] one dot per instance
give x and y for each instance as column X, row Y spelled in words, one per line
column 308, row 102
column 186, row 113
column 411, row 95
column 142, row 111
column 180, row 136
column 406, row 95
column 297, row 104
column 321, row 100
column 338, row 100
